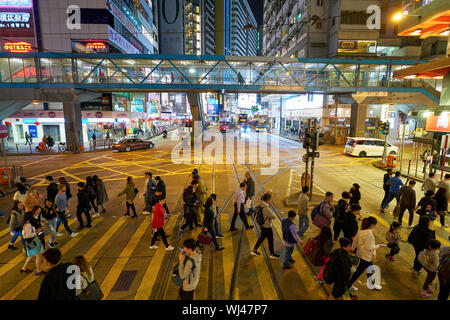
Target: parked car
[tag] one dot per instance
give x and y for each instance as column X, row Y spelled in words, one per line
column 368, row 147
column 130, row 144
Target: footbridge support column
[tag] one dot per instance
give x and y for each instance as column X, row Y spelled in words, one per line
column 358, row 119
column 73, row 125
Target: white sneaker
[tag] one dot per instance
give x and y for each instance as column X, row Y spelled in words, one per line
column 74, row 234
column 375, row 287
column 96, row 215
column 145, row 213
column 154, row 247
column 170, row 248
column 353, row 288
column 59, row 234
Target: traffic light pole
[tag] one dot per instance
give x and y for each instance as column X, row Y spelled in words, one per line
column 383, row 161
column 314, row 133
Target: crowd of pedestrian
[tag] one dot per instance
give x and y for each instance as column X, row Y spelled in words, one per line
column 340, row 224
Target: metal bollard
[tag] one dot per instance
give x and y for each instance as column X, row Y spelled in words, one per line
column 409, row 165
column 17, row 148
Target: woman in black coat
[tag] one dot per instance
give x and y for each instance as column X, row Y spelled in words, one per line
column 190, row 201
column 208, row 222
column 441, row 204
column 419, row 238
column 355, row 195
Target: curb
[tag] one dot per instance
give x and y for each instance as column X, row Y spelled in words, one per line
column 86, row 149
column 378, row 166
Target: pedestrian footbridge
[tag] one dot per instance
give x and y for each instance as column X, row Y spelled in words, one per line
column 123, row 72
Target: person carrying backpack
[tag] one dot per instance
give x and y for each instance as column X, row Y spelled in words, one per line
column 264, row 217
column 342, row 208
column 320, row 254
column 91, row 188
column 350, row 225
column 407, row 199
column 190, row 262
column 338, row 269
column 290, row 238
column 15, row 223
column 419, row 237
column 322, row 214
column 190, row 201
column 444, row 274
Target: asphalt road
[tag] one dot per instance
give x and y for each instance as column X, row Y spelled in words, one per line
column 118, row 247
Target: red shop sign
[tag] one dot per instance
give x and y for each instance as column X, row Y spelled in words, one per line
column 438, row 123
column 99, row 115
column 51, row 114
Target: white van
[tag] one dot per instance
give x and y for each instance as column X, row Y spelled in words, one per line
column 368, row 147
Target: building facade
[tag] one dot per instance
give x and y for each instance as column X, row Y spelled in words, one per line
column 244, row 29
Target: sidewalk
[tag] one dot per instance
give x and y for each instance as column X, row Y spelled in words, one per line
column 15, row 149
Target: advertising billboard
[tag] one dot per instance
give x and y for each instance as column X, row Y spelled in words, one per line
column 17, row 30
column 357, row 46
column 438, row 123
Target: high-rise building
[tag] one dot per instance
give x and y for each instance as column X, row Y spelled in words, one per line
column 339, row 28
column 124, row 26
column 244, row 35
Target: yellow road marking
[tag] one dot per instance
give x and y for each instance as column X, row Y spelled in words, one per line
column 104, row 239
column 122, row 260
column 148, row 281
column 25, row 283
column 228, row 256
column 116, row 171
column 71, row 175
column 262, row 270
column 129, row 163
column 300, row 266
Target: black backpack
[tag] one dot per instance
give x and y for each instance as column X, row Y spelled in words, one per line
column 259, row 216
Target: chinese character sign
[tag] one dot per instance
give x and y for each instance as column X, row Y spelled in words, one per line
column 438, row 123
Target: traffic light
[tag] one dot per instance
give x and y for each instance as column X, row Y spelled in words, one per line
column 379, row 125
column 384, row 128
column 317, row 139
column 307, row 142
column 320, row 139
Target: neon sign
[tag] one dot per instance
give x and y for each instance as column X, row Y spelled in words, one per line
column 18, row 47
column 96, row 45
column 15, row 3
column 14, row 17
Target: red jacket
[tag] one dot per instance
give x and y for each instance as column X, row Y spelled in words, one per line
column 158, row 216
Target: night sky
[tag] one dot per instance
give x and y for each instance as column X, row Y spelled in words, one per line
column 257, row 8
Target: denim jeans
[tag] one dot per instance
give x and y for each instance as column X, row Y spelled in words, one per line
column 388, row 200
column 17, row 233
column 213, row 236
column 1, row 213
column 147, row 201
column 288, row 256
column 62, row 218
column 52, row 226
column 303, row 224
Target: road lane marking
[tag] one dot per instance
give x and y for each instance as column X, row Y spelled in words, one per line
column 122, row 260
column 300, row 266
column 262, row 270
column 148, row 280
column 25, row 283
column 90, row 255
column 228, row 256
column 28, row 164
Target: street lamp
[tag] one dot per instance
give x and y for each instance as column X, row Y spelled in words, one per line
column 398, row 16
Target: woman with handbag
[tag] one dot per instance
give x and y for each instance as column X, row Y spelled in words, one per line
column 208, row 222
column 89, row 289
column 130, row 191
column 190, row 201
column 33, row 245
column 441, row 205
column 102, row 195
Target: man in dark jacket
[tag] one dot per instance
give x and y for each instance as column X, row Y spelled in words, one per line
column 160, row 190
column 419, row 238
column 350, row 225
column 343, row 207
column 52, row 188
column 341, row 268
column 249, row 186
column 83, row 206
column 386, row 178
column 59, row 283
column 407, row 202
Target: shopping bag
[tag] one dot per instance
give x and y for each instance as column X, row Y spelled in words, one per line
column 396, row 212
column 204, row 238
